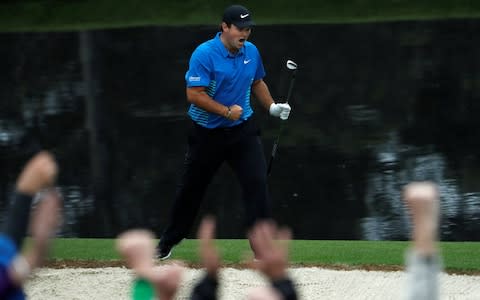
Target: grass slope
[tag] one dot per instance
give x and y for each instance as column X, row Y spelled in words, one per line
column 56, row 15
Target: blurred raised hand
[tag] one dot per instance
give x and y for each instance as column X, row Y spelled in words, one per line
column 137, row 247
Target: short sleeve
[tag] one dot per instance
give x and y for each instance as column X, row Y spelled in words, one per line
column 199, row 72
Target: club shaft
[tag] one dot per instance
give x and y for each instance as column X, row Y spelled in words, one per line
column 290, row 88
column 282, row 125
column 275, row 147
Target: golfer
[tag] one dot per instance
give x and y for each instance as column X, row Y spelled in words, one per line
column 223, row 73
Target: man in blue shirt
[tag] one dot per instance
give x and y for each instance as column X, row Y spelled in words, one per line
column 223, row 72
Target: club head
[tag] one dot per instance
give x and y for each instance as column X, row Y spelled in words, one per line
column 291, row 65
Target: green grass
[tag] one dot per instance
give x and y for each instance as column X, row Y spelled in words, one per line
column 42, row 15
column 458, row 256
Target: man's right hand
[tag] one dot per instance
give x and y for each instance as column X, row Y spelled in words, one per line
column 237, row 112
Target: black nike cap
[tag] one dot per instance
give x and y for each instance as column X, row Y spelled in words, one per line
column 239, row 16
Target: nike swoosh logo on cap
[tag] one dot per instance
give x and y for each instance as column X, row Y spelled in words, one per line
column 243, row 16
column 246, row 61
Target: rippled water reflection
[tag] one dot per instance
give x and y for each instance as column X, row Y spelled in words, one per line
column 375, row 106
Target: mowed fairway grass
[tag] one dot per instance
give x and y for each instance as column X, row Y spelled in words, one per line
column 459, row 257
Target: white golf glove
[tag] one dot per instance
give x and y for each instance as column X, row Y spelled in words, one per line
column 281, row 110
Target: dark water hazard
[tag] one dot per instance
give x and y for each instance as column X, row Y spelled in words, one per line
column 375, row 106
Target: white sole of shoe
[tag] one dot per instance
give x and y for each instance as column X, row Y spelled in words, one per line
column 166, row 256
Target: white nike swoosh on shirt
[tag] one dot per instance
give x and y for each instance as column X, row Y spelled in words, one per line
column 243, row 16
column 246, row 61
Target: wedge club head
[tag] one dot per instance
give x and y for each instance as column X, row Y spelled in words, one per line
column 291, row 65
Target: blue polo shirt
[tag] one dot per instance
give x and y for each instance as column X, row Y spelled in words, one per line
column 227, row 77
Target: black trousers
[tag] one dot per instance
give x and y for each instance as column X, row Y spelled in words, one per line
column 240, row 146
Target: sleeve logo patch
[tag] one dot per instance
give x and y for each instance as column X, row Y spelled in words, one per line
column 194, row 78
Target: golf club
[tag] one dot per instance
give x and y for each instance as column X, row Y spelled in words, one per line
column 291, row 65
